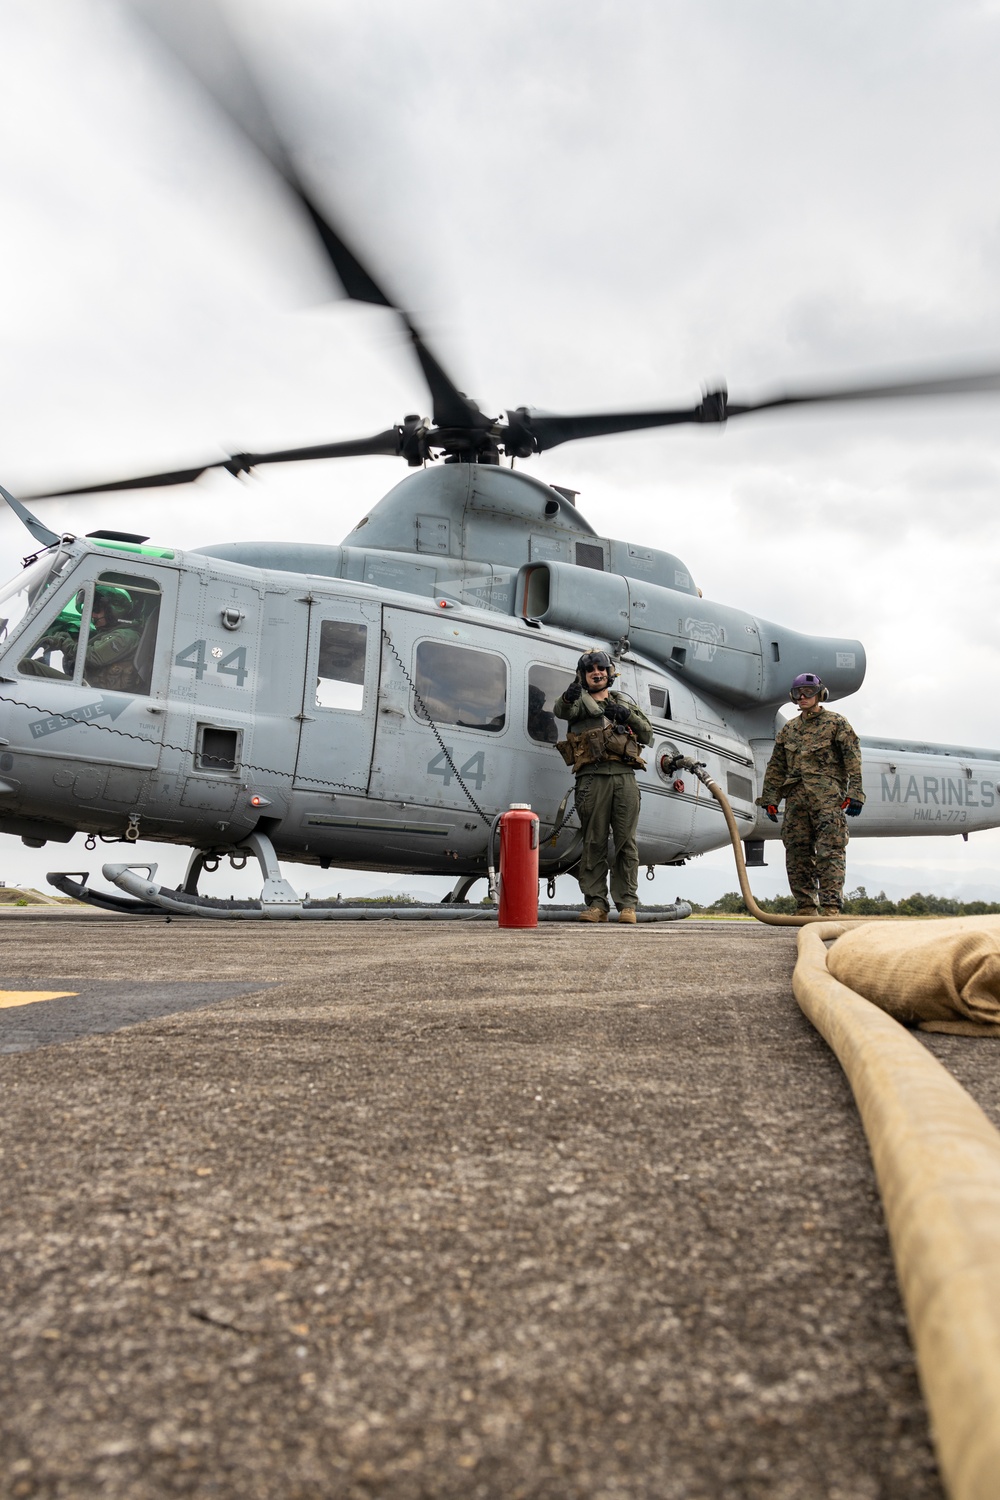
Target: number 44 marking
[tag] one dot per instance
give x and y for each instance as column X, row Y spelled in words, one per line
column 195, row 658
column 474, row 769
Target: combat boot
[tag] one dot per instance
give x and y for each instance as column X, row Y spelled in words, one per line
column 830, row 911
column 593, row 914
column 807, row 911
column 627, row 914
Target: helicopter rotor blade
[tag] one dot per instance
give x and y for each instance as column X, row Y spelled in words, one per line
column 532, row 432
column 197, row 36
column 979, row 382
column 387, row 444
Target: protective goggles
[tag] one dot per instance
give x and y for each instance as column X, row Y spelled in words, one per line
column 798, row 693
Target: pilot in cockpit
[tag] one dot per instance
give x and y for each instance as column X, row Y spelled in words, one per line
column 110, row 658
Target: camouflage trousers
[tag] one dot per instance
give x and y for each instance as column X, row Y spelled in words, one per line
column 814, row 833
column 608, row 804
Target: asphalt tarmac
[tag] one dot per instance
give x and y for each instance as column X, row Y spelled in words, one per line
column 382, row 1211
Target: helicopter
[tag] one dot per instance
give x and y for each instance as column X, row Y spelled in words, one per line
column 374, row 704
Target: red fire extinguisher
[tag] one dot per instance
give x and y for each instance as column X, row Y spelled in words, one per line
column 519, row 867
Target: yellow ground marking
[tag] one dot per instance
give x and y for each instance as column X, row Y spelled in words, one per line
column 31, row 997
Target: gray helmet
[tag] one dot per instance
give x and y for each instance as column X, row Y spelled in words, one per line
column 596, row 658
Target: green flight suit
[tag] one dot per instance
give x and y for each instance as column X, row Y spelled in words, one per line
column 110, row 661
column 815, row 766
column 607, row 802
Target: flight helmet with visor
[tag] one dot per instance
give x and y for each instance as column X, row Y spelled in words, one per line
column 808, row 685
column 595, row 659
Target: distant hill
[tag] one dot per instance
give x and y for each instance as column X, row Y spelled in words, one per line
column 26, row 895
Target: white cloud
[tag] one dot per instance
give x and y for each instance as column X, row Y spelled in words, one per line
column 584, row 213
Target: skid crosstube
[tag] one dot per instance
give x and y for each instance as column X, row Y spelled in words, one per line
column 145, row 898
column 279, row 902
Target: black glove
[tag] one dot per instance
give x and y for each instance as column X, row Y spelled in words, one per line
column 618, row 713
column 772, row 812
column 572, row 692
column 852, row 807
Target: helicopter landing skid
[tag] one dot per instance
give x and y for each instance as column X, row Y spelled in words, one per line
column 278, row 901
column 74, row 884
column 182, row 903
column 179, row 903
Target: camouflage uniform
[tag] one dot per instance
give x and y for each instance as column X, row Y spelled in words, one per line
column 607, row 802
column 815, row 766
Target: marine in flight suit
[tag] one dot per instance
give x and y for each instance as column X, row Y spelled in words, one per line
column 606, row 725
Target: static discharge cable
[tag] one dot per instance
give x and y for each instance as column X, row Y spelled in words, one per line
column 424, row 710
column 341, row 786
column 144, row 739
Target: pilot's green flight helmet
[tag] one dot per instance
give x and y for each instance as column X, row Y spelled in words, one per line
column 117, row 601
column 69, row 618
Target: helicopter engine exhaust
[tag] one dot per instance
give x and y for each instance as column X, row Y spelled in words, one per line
column 742, row 659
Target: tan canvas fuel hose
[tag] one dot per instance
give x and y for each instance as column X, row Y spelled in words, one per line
column 937, row 1162
column 773, row 919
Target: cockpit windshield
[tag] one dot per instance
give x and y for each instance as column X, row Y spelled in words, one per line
column 18, row 596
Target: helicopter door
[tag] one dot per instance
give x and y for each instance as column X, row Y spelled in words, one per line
column 339, row 696
column 456, row 675
column 91, row 664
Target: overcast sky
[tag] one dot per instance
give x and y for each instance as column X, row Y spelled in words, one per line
column 586, row 206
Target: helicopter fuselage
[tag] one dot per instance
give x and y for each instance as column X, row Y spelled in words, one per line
column 374, row 705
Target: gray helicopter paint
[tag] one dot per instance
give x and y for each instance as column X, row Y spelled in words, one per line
column 914, row 789
column 69, row 773
column 721, row 650
column 533, row 537
column 236, row 653
column 335, row 744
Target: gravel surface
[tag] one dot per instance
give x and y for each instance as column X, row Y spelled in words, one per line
column 436, row 1212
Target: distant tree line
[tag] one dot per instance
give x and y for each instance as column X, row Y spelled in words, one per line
column 859, row 904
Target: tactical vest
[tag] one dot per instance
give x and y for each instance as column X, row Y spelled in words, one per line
column 589, row 747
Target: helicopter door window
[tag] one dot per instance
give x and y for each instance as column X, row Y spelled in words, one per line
column 462, row 686
column 124, row 611
column 545, row 684
column 54, row 653
column 117, row 617
column 340, row 681
column 659, row 702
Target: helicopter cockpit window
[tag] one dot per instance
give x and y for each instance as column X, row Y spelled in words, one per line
column 462, row 686
column 117, row 617
column 340, row 681
column 545, row 685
